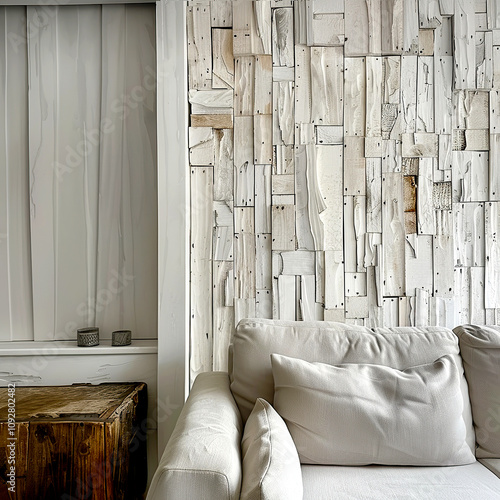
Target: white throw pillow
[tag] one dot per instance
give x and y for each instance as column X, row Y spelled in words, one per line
column 271, row 466
column 480, row 349
column 359, row 414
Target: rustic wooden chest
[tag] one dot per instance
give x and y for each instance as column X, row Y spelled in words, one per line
column 74, row 442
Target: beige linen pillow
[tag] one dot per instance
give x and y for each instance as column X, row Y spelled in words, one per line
column 271, row 466
column 480, row 349
column 359, row 414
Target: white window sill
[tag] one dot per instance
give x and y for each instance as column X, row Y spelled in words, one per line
column 70, row 348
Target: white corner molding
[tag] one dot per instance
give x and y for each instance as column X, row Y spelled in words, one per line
column 173, row 215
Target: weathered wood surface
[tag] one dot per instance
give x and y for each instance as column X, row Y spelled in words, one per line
column 365, row 142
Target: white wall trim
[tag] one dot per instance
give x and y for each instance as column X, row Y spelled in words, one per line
column 173, row 215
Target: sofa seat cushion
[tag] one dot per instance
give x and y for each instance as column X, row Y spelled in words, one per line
column 379, row 482
column 358, row 414
column 271, row 466
column 333, row 343
column 480, row 348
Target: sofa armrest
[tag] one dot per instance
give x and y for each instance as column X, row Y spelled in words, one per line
column 203, row 456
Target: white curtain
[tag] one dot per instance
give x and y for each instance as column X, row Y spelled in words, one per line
column 91, row 138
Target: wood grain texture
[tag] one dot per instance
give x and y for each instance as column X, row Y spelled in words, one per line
column 199, row 39
column 223, row 60
column 283, row 37
column 464, row 45
column 492, row 254
column 374, row 82
column 354, row 96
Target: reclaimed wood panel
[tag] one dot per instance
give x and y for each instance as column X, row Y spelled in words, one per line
column 223, row 59
column 354, row 96
column 464, row 27
column 327, row 66
column 199, row 43
column 374, row 81
column 469, row 221
column 492, row 255
column 283, row 37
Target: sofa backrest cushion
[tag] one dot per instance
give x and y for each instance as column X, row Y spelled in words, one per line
column 333, row 343
column 480, row 348
column 362, row 414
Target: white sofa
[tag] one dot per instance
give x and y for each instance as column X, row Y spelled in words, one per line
column 384, row 413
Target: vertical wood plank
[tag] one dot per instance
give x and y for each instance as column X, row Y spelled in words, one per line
column 282, row 37
column 223, row 60
column 199, row 39
column 303, row 94
column 373, row 96
column 327, row 81
column 201, row 270
column 409, row 93
column 464, row 26
column 492, row 253
column 357, row 28
column 393, row 237
column 263, row 87
column 354, row 96
column 223, row 315
column 425, row 94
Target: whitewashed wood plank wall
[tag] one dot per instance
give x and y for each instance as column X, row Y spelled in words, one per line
column 371, row 194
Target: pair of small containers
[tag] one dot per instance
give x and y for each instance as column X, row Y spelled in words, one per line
column 89, row 337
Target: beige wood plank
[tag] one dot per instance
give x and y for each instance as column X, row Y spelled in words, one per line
column 425, row 205
column 282, row 37
column 373, row 147
column 310, row 310
column 223, row 59
column 263, row 199
column 329, row 134
column 215, row 102
column 244, row 189
column 327, row 65
column 425, row 94
column 283, row 184
column 429, row 14
column 223, row 319
column 334, row 280
column 223, row 243
column 443, row 78
column 493, row 10
column 201, row 146
column 494, row 113
column 222, row 13
column 418, row 263
column 303, row 95
column 356, row 307
column 263, row 262
column 283, row 113
column 283, row 74
column 300, row 21
column 374, row 83
column 299, row 262
column 283, row 224
column 285, row 298
column 244, row 85
column 393, row 236
column 469, row 219
column 213, row 121
column 264, row 304
column 243, row 140
column 391, row 79
column 263, row 87
column 409, row 93
column 470, row 176
column 477, row 295
column 374, row 195
column 355, row 284
column 426, row 42
column 494, row 170
column 223, row 166
column 496, row 67
column 223, row 213
column 330, row 166
column 392, row 40
column 199, row 44
column 252, row 28
column 263, row 139
column 354, row 166
column 201, row 268
column 443, row 37
column 354, row 96
column 443, row 254
column 484, row 60
column 420, row 145
column 244, row 308
column 324, row 29
column 285, row 160
column 304, row 232
column 411, row 25
column 492, row 252
column 464, row 26
column 357, row 28
column 244, row 253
